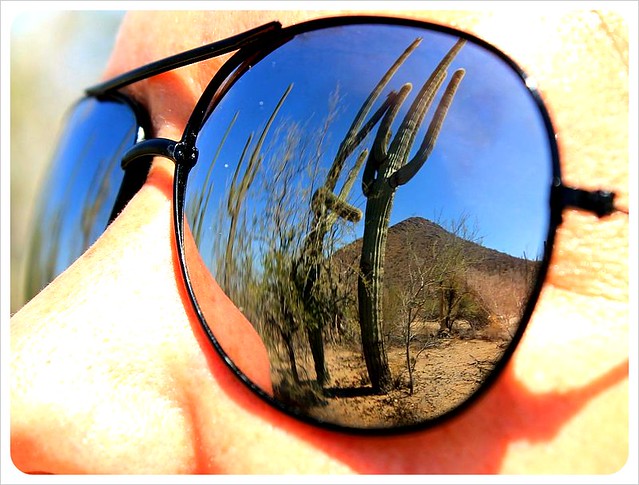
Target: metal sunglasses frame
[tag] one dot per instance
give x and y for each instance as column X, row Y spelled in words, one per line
column 249, row 48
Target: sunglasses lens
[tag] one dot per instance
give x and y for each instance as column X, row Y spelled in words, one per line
column 81, row 187
column 375, row 201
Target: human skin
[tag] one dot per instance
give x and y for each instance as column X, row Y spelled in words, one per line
column 110, row 371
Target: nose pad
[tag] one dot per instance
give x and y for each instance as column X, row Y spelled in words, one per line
column 134, row 177
column 135, row 174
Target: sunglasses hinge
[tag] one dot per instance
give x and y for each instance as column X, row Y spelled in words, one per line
column 599, row 202
column 185, row 154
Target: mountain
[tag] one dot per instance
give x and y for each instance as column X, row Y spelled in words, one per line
column 500, row 280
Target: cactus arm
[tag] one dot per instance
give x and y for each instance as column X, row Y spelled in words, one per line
column 355, row 135
column 413, row 120
column 352, row 174
column 408, row 171
column 370, row 124
column 381, row 84
column 379, row 150
column 368, row 177
column 324, row 198
column 407, row 132
column 380, row 145
column 451, row 54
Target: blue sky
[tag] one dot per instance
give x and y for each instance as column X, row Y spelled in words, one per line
column 491, row 161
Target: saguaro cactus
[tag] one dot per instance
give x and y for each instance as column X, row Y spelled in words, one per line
column 327, row 207
column 386, row 169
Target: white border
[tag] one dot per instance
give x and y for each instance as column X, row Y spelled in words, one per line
column 9, row 10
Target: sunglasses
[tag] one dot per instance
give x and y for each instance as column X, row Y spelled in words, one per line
column 378, row 196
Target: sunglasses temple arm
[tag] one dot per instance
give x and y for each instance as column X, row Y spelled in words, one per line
column 185, row 58
column 599, row 202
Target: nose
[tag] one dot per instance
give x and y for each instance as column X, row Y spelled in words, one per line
column 112, row 346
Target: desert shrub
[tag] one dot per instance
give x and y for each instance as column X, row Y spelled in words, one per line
column 495, row 330
column 300, row 395
column 475, row 313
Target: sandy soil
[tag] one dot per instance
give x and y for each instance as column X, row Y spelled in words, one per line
column 446, row 372
column 443, row 377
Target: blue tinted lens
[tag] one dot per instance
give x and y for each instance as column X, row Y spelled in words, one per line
column 383, row 247
column 81, row 187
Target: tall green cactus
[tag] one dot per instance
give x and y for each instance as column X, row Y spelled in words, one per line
column 387, row 168
column 327, row 207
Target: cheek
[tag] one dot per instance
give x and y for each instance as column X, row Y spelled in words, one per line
column 232, row 330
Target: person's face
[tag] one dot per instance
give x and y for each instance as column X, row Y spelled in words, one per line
column 112, row 374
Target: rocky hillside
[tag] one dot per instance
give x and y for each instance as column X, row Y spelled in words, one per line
column 501, row 280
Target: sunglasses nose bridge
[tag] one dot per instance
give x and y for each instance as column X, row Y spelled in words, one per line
column 159, row 147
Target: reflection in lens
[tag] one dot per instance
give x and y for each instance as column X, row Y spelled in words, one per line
column 81, row 187
column 374, row 200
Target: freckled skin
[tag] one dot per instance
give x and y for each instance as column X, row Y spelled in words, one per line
column 110, row 372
